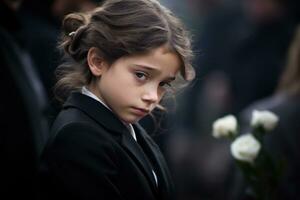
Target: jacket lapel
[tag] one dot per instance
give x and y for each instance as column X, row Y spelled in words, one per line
column 109, row 121
column 138, row 154
column 165, row 182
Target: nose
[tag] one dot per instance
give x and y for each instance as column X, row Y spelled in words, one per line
column 151, row 95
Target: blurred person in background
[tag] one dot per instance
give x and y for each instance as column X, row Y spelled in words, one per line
column 242, row 46
column 41, row 21
column 41, row 31
column 28, row 33
column 283, row 141
column 60, row 8
column 259, row 44
column 23, row 103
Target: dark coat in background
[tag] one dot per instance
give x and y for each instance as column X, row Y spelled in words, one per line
column 283, row 142
column 23, row 107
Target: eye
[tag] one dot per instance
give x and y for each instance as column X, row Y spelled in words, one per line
column 141, row 75
column 165, row 84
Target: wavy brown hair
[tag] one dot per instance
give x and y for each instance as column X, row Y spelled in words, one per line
column 119, row 28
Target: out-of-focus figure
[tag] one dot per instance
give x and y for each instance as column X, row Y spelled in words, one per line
column 41, row 21
column 283, row 141
column 242, row 46
column 23, row 104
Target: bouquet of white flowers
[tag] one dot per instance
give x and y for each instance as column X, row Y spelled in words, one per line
column 259, row 170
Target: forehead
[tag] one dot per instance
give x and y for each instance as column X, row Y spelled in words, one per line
column 160, row 59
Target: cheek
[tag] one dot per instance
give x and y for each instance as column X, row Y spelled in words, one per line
column 122, row 88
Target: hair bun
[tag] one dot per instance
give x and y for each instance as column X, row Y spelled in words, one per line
column 73, row 21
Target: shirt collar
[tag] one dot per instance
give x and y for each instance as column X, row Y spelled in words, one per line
column 87, row 92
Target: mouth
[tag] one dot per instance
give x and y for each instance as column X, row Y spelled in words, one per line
column 140, row 111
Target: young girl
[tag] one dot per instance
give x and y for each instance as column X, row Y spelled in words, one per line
column 125, row 55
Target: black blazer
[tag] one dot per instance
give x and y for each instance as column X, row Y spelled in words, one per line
column 92, row 155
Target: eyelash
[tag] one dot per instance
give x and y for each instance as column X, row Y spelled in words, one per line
column 163, row 84
column 142, row 76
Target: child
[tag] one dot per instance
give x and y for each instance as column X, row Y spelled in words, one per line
column 125, row 56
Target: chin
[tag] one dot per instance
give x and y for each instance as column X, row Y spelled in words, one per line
column 131, row 120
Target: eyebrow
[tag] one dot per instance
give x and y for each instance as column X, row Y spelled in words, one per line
column 171, row 78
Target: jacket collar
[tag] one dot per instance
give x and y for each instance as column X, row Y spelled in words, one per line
column 110, row 121
column 96, row 111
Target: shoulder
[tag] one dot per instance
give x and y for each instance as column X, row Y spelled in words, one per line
column 74, row 131
column 268, row 103
column 79, row 130
column 81, row 142
column 67, row 116
column 73, row 121
column 280, row 104
column 81, row 134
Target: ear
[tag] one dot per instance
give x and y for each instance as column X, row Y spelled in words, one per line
column 95, row 62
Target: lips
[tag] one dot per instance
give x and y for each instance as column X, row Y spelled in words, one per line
column 140, row 111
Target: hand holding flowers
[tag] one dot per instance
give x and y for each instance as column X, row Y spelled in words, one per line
column 259, row 170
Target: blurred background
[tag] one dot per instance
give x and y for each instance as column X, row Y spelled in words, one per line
column 246, row 57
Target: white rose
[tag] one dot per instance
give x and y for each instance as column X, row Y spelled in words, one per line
column 245, row 148
column 266, row 119
column 225, row 126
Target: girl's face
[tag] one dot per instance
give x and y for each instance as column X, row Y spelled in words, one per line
column 132, row 86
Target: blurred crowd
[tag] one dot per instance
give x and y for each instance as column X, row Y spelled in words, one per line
column 29, row 31
column 247, row 56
